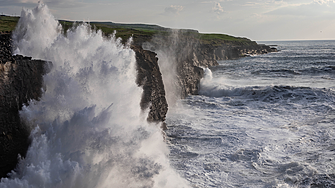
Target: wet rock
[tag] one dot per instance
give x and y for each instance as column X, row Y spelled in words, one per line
column 190, row 56
column 20, row 81
column 150, row 78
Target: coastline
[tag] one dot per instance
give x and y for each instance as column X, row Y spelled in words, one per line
column 22, row 80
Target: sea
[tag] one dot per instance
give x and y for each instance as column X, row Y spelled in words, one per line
column 259, row 121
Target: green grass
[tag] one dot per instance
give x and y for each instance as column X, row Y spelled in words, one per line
column 140, row 32
column 66, row 24
column 8, row 23
column 218, row 39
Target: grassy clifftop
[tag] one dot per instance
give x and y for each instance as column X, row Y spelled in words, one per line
column 8, row 23
column 139, row 32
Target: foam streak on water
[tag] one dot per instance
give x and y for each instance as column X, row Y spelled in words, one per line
column 87, row 129
column 261, row 121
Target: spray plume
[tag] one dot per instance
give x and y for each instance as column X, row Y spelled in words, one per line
column 87, row 129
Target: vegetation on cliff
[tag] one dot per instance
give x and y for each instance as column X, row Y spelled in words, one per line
column 140, row 32
column 186, row 50
column 8, row 23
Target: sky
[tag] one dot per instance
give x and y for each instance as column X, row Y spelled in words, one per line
column 259, row 20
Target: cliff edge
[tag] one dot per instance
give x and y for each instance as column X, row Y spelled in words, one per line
column 150, row 78
column 187, row 52
column 185, row 55
column 20, row 81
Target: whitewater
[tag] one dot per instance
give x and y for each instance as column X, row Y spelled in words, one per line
column 260, row 121
column 88, row 129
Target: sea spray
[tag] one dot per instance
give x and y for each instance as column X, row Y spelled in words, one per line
column 257, row 123
column 180, row 56
column 209, row 85
column 87, row 129
column 167, row 53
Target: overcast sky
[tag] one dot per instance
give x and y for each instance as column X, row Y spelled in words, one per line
column 255, row 19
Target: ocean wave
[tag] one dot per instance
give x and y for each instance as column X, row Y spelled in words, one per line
column 264, row 93
column 87, row 129
column 301, row 71
column 268, row 93
column 276, row 72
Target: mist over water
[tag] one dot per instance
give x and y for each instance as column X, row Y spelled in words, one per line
column 173, row 49
column 88, row 129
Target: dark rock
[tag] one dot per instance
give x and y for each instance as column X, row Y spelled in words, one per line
column 150, row 78
column 20, row 81
column 189, row 55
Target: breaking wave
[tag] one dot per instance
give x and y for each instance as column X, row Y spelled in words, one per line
column 87, row 129
column 210, row 88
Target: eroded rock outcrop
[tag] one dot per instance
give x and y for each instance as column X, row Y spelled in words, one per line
column 187, row 55
column 20, row 81
column 150, row 78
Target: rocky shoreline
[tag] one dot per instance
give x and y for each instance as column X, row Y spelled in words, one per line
column 21, row 80
column 190, row 56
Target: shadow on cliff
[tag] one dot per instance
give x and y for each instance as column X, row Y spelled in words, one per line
column 21, row 80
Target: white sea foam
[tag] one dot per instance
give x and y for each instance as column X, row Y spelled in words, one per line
column 256, row 124
column 210, row 86
column 87, row 129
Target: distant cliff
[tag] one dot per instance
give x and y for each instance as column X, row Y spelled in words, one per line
column 188, row 52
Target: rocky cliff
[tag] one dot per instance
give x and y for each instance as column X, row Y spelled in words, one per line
column 20, row 81
column 187, row 54
column 150, row 78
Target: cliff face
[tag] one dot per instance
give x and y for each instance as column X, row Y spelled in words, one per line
column 238, row 51
column 187, row 55
column 232, row 51
column 20, row 81
column 150, row 78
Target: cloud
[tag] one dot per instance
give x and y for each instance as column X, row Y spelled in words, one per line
column 174, row 9
column 321, row 2
column 64, row 3
column 27, row 1
column 218, row 8
column 13, row 2
column 50, row 3
column 317, row 8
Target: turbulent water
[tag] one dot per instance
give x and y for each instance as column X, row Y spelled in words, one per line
column 87, row 129
column 260, row 121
